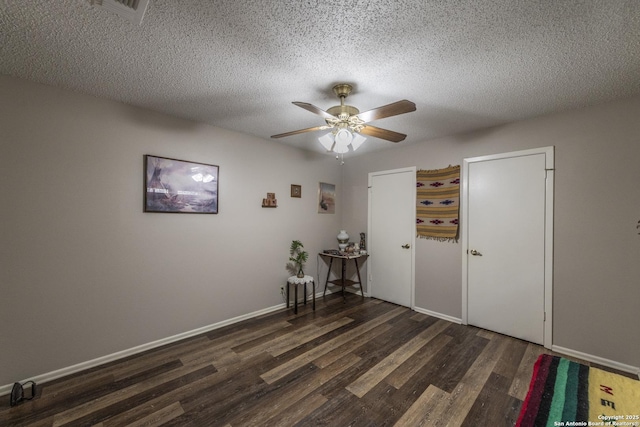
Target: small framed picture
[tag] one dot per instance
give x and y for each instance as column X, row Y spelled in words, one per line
column 296, row 190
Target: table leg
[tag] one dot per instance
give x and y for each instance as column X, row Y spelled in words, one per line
column 328, row 275
column 288, row 286
column 313, row 289
column 344, row 273
column 359, row 279
column 295, row 304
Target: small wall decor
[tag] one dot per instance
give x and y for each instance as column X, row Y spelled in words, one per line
column 179, row 186
column 270, row 201
column 363, row 242
column 296, row 190
column 326, row 198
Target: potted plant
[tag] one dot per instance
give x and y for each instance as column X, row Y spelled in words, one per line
column 298, row 256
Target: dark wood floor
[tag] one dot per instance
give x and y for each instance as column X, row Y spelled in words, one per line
column 360, row 363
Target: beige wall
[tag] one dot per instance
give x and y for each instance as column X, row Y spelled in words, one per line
column 597, row 209
column 85, row 273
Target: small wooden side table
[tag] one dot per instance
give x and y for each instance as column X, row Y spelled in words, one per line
column 295, row 281
column 343, row 281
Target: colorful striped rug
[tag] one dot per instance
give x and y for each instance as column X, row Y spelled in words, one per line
column 438, row 202
column 566, row 393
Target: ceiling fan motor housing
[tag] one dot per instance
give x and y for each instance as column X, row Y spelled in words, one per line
column 343, row 109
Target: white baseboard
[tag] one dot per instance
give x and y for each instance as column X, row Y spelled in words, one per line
column 562, row 350
column 438, row 315
column 596, row 359
column 50, row 376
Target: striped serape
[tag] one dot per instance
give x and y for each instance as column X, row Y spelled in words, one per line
column 438, row 202
column 566, row 393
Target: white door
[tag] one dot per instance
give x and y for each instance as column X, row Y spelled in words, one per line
column 506, row 243
column 392, row 205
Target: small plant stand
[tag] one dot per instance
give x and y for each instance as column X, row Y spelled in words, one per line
column 295, row 281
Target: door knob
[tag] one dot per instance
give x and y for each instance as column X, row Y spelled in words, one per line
column 406, row 246
column 475, row 253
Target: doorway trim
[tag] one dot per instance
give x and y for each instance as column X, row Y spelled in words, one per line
column 371, row 283
column 548, row 238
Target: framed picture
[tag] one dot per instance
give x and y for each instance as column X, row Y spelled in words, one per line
column 179, row 186
column 296, row 190
column 326, row 198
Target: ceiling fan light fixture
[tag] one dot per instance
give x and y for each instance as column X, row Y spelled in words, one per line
column 343, row 137
column 341, row 148
column 339, row 141
column 326, row 141
column 342, row 140
column 357, row 141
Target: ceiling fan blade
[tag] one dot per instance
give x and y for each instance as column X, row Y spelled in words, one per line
column 315, row 110
column 295, row 132
column 389, row 110
column 377, row 132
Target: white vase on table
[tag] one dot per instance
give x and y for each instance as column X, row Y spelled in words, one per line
column 343, row 240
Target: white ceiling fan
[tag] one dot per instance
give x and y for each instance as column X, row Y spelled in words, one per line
column 348, row 124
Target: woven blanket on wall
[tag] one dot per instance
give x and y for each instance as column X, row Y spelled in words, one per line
column 438, row 203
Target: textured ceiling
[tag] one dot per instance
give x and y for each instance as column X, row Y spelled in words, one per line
column 239, row 64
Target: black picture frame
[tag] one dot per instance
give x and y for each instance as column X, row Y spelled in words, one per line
column 180, row 186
